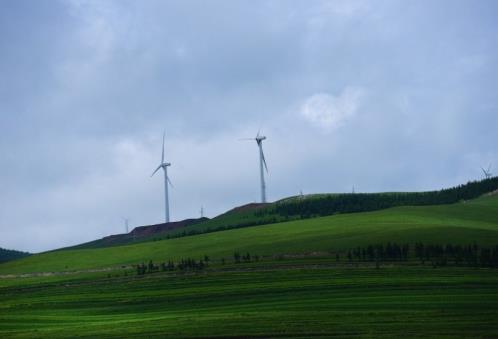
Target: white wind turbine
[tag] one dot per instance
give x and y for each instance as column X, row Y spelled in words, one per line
column 164, row 166
column 487, row 173
column 262, row 163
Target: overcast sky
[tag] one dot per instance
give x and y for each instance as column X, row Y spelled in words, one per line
column 382, row 95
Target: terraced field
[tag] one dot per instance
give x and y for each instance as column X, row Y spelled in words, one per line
column 272, row 302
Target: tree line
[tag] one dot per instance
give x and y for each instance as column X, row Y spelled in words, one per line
column 390, row 251
column 436, row 255
column 187, row 264
column 470, row 255
column 185, row 233
column 362, row 202
column 8, row 255
column 190, row 264
column 239, row 258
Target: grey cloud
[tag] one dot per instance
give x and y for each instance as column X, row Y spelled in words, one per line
column 91, row 85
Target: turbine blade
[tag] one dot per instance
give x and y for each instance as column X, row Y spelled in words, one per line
column 162, row 155
column 246, row 139
column 157, row 169
column 170, row 182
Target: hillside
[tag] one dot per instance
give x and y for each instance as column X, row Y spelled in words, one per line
column 298, row 289
column 298, row 208
column 461, row 223
column 241, row 216
column 138, row 234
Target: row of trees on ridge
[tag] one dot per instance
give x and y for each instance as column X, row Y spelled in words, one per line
column 362, row 202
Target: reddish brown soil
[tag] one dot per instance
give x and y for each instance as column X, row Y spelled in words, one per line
column 248, row 207
column 144, row 231
column 149, row 230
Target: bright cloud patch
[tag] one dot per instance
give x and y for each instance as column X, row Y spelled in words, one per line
column 327, row 111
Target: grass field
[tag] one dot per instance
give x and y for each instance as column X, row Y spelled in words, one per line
column 272, row 302
column 464, row 223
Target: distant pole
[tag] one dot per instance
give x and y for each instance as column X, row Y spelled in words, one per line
column 202, row 212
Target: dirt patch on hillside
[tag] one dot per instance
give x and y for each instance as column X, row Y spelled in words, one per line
column 248, row 207
column 144, row 231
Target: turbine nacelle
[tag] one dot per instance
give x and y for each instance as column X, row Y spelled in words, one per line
column 163, row 166
column 258, row 138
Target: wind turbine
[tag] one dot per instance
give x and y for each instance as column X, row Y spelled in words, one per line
column 164, row 166
column 262, row 163
column 487, row 173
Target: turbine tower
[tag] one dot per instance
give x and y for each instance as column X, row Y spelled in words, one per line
column 487, row 173
column 262, row 163
column 164, row 166
column 126, row 222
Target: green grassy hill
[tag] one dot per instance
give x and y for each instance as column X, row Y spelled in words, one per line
column 461, row 223
column 306, row 207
